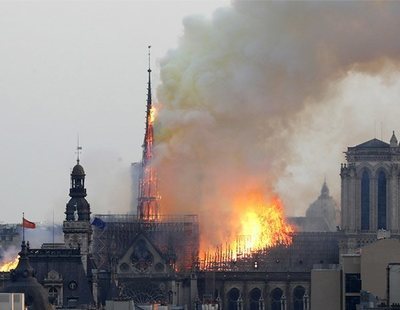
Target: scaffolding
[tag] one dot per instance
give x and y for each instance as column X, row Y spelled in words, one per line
column 306, row 250
column 175, row 236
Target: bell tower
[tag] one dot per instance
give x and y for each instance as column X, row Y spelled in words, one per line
column 76, row 227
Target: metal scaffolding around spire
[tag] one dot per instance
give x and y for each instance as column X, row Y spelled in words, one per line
column 148, row 199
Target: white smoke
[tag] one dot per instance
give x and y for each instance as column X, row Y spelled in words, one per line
column 240, row 98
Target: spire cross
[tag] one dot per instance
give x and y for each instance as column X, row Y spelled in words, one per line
column 78, row 150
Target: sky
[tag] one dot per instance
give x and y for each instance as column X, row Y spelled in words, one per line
column 72, row 68
column 78, row 67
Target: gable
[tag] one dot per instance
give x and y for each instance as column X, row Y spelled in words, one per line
column 142, row 257
column 373, row 143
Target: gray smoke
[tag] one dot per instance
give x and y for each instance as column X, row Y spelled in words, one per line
column 242, row 97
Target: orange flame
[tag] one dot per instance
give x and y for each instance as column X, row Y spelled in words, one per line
column 153, row 114
column 264, row 224
column 258, row 225
column 8, row 266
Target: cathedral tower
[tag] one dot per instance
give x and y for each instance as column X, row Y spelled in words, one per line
column 370, row 187
column 76, row 227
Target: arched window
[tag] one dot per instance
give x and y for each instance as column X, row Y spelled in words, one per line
column 255, row 295
column 365, row 201
column 382, row 200
column 53, row 295
column 298, row 294
column 276, row 296
column 233, row 296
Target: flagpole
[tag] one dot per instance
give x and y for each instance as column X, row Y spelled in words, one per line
column 53, row 228
column 23, row 227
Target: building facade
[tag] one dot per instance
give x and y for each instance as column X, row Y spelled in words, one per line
column 370, row 187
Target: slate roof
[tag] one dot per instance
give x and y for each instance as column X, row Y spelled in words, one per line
column 373, row 143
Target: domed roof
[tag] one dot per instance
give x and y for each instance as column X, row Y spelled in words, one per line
column 78, row 206
column 78, row 170
column 324, row 207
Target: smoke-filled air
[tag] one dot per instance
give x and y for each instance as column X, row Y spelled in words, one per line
column 240, row 107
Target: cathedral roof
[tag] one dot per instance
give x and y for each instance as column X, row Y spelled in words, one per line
column 373, row 143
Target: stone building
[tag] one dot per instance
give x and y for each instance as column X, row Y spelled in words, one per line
column 370, row 187
column 65, row 270
column 76, row 227
column 369, row 237
column 22, row 280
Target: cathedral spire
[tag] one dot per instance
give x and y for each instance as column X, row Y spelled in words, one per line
column 148, row 184
column 149, row 97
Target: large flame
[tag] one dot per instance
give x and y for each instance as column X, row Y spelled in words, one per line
column 258, row 224
column 264, row 224
column 8, row 266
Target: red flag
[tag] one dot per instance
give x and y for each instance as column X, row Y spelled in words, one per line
column 28, row 224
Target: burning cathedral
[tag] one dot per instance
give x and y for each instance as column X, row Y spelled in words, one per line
column 154, row 259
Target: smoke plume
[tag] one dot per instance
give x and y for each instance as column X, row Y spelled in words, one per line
column 243, row 87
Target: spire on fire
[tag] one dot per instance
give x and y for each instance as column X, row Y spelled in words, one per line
column 148, row 206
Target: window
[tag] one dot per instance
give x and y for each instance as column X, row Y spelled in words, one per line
column 353, row 282
column 382, row 200
column 233, row 296
column 351, row 302
column 53, row 295
column 276, row 296
column 365, row 201
column 255, row 295
column 298, row 295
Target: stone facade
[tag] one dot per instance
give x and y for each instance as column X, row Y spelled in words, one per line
column 370, row 188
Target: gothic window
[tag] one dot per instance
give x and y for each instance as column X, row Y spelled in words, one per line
column 145, row 291
column 298, row 295
column 276, row 296
column 233, row 296
column 365, row 201
column 255, row 295
column 141, row 257
column 382, row 200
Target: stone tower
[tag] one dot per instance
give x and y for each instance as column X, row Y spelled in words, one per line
column 76, row 227
column 371, row 187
